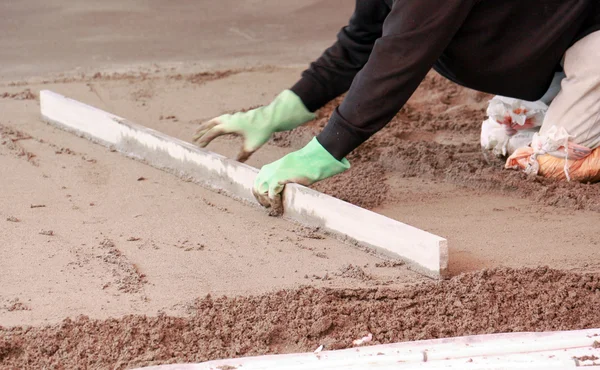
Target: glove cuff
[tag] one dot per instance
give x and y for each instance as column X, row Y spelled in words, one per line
column 324, row 160
column 288, row 111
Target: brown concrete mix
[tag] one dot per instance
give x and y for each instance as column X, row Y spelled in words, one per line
column 426, row 168
column 435, row 136
column 127, row 239
column 489, row 301
column 84, row 231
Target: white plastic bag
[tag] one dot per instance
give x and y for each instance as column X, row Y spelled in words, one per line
column 556, row 138
column 515, row 114
column 495, row 139
column 511, row 124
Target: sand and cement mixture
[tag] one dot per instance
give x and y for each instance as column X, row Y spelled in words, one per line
column 108, row 263
column 500, row 300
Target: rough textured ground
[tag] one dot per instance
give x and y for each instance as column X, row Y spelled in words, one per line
column 85, row 231
column 88, row 231
column 106, row 236
column 435, row 137
column 426, row 168
column 490, row 301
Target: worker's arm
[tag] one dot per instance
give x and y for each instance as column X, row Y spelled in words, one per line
column 415, row 34
column 331, row 75
column 256, row 126
column 327, row 78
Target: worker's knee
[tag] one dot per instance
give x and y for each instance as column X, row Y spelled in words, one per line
column 582, row 59
column 576, row 108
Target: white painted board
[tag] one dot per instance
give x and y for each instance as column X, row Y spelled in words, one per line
column 425, row 252
column 547, row 350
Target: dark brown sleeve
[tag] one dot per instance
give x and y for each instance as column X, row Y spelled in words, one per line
column 415, row 34
column 331, row 75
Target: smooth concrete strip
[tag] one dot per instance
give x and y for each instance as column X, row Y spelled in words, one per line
column 425, row 252
column 546, row 350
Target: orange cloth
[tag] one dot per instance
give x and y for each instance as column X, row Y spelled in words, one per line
column 582, row 170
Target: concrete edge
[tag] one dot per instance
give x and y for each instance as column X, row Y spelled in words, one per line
column 525, row 350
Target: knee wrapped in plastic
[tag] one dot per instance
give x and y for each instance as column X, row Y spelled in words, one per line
column 567, row 146
column 511, row 124
column 582, row 170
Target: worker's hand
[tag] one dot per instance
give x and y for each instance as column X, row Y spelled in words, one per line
column 306, row 166
column 256, row 126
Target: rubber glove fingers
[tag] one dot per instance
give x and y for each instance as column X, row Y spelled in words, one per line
column 305, row 167
column 231, row 125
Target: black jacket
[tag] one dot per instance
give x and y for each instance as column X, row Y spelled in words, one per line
column 502, row 47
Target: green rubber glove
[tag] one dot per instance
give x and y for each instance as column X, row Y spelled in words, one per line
column 256, row 126
column 305, row 167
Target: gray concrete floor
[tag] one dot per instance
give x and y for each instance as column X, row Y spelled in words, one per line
column 42, row 37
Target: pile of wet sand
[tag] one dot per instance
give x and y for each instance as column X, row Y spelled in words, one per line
column 436, row 136
column 490, row 301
